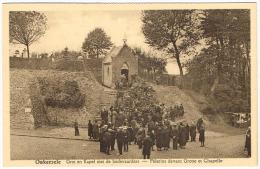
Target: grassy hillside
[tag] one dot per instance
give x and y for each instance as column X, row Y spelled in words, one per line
column 171, row 95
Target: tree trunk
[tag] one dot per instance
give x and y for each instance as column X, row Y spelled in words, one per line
column 28, row 51
column 179, row 65
column 178, row 58
column 97, row 54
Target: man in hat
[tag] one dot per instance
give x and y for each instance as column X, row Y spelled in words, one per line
column 202, row 135
column 126, row 138
column 151, row 126
column 159, row 137
column 120, row 140
column 182, row 136
column 107, row 137
column 166, row 137
column 76, row 127
column 193, row 132
column 113, row 116
column 175, row 136
column 140, row 135
column 95, row 130
column 113, row 138
column 153, row 137
column 147, row 145
column 101, row 139
column 187, row 132
column 131, row 134
column 104, row 115
column 90, row 129
column 199, row 123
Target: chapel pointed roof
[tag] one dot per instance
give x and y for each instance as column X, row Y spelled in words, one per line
column 113, row 53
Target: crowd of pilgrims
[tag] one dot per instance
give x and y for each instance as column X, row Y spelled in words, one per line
column 146, row 131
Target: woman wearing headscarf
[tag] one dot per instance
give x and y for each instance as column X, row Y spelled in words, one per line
column 248, row 141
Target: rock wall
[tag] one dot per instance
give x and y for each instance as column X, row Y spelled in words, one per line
column 20, row 81
column 20, row 104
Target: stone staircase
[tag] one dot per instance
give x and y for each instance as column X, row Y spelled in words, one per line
column 108, row 97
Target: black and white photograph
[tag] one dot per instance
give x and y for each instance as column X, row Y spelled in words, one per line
column 135, row 83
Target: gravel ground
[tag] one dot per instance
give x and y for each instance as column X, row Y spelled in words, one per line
column 31, row 148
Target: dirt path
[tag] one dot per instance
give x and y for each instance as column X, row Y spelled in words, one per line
column 31, row 148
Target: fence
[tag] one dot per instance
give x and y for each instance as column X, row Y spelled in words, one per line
column 162, row 79
column 59, row 64
column 32, row 63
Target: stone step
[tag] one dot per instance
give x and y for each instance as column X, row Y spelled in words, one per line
column 110, row 93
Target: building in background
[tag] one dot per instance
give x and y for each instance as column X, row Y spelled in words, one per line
column 119, row 62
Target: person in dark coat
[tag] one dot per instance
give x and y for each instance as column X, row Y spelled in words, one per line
column 166, row 138
column 199, row 123
column 193, row 132
column 120, row 140
column 90, row 130
column 76, row 127
column 104, row 115
column 175, row 137
column 181, row 110
column 147, row 145
column 126, row 139
column 151, row 126
column 202, row 135
column 159, row 138
column 95, row 130
column 140, row 135
column 153, row 137
column 131, row 134
column 120, row 117
column 113, row 139
column 187, row 131
column 182, row 136
column 107, row 137
column 248, row 142
column 101, row 139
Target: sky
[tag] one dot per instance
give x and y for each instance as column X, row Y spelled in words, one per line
column 70, row 28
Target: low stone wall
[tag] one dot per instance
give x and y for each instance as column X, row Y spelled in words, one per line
column 67, row 117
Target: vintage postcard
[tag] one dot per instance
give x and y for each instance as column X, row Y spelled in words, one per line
column 130, row 84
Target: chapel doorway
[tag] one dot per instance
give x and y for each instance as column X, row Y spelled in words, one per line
column 125, row 71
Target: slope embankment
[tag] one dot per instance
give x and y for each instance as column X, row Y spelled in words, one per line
column 20, row 101
column 172, row 95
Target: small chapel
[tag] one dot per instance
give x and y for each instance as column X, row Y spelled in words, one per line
column 120, row 63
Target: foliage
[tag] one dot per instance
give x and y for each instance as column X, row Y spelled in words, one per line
column 140, row 96
column 67, row 54
column 26, row 27
column 62, row 95
column 150, row 63
column 97, row 43
column 225, row 74
column 173, row 31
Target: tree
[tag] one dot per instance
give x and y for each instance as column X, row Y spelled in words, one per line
column 65, row 52
column 173, row 31
column 97, row 43
column 222, row 68
column 150, row 63
column 26, row 27
column 228, row 34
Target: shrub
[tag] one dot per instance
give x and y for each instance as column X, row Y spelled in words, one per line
column 62, row 95
column 230, row 99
